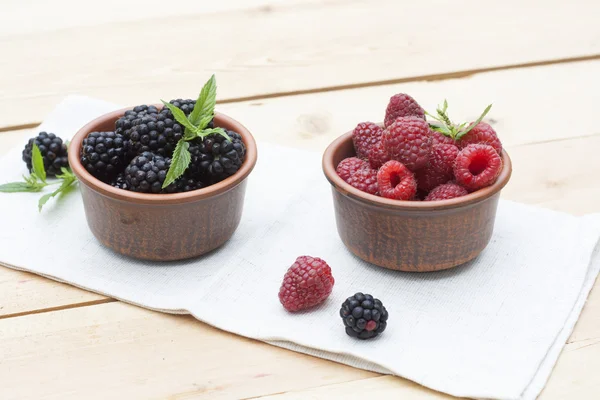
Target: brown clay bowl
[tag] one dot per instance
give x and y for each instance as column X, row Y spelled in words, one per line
column 416, row 236
column 162, row 227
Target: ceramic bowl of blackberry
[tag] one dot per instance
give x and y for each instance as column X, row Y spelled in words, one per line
column 122, row 159
column 412, row 236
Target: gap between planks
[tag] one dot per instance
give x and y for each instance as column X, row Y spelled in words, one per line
column 58, row 308
column 420, row 78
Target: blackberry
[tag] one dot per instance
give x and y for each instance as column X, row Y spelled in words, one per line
column 214, row 157
column 103, row 154
column 364, row 317
column 146, row 173
column 53, row 150
column 146, row 129
column 119, row 182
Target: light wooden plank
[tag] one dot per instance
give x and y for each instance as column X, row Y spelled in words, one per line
column 139, row 354
column 35, row 16
column 23, row 293
column 281, row 49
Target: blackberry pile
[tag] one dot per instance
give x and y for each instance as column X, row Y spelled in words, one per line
column 137, row 154
column 53, row 150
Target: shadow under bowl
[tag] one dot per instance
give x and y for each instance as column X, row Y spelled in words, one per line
column 412, row 236
column 162, row 227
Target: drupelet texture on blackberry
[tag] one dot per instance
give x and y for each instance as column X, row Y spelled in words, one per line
column 119, row 182
column 215, row 157
column 364, row 316
column 145, row 128
column 103, row 154
column 53, row 150
column 146, row 173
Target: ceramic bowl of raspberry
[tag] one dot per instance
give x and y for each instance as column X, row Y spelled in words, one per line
column 401, row 207
column 188, row 218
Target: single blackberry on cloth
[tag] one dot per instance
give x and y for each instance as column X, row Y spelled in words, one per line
column 103, row 154
column 214, row 157
column 147, row 172
column 364, row 317
column 53, row 150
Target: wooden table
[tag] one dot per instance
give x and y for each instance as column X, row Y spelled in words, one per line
column 296, row 73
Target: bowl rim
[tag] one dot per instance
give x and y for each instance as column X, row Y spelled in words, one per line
column 159, row 199
column 346, row 189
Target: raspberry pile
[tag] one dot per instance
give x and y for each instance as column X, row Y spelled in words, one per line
column 411, row 158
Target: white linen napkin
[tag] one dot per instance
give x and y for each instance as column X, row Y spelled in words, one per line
column 492, row 328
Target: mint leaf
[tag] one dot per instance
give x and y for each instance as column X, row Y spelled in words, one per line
column 205, row 104
column 38, row 163
column 179, row 116
column 204, row 121
column 463, row 133
column 65, row 187
column 205, row 132
column 16, row 187
column 179, row 163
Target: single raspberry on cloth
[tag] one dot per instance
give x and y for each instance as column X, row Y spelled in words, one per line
column 307, row 283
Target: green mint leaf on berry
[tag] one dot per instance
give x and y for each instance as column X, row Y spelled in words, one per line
column 474, row 124
column 38, row 163
column 205, row 104
column 220, row 131
column 179, row 163
column 68, row 179
column 180, row 116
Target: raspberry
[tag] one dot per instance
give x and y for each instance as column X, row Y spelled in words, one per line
column 348, row 166
column 364, row 316
column 408, row 140
column 477, row 166
column 365, row 136
column 365, row 179
column 402, row 105
column 306, row 283
column 440, row 138
column 483, row 133
column 446, row 191
column 396, row 181
column 378, row 156
column 440, row 167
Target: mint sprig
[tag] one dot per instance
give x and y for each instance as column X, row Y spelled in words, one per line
column 195, row 127
column 445, row 126
column 68, row 179
column 36, row 181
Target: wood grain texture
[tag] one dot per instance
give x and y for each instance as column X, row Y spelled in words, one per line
column 270, row 50
column 140, row 354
